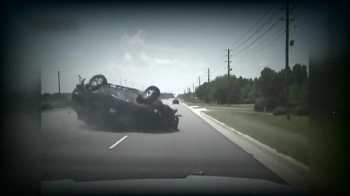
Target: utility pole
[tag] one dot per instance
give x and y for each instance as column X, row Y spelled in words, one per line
column 287, row 60
column 228, row 75
column 199, row 81
column 79, row 79
column 59, row 85
column 208, row 75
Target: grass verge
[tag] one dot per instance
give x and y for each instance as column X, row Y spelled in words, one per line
column 288, row 137
column 197, row 102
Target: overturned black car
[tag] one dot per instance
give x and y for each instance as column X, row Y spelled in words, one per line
column 101, row 103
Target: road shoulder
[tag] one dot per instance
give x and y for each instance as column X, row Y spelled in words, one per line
column 292, row 171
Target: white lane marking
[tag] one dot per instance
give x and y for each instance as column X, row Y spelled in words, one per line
column 118, row 142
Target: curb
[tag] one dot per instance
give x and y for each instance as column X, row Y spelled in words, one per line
column 290, row 162
column 281, row 157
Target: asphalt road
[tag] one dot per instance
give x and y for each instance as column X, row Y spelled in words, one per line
column 73, row 150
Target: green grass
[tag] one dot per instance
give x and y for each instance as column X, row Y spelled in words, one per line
column 197, row 102
column 286, row 136
column 248, row 108
column 200, row 104
column 192, row 101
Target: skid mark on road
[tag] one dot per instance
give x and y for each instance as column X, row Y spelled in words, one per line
column 118, row 142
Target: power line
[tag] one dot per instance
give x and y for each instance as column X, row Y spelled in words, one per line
column 218, row 68
column 218, row 60
column 302, row 24
column 271, row 41
column 259, row 37
column 203, row 73
column 277, row 11
column 297, row 8
column 271, row 37
column 301, row 15
column 203, row 76
column 221, row 68
column 255, row 24
column 219, row 65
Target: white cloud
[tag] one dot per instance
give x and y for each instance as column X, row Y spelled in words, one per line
column 127, row 68
column 137, row 52
column 110, row 67
column 133, row 43
column 145, row 58
column 127, row 57
column 114, row 72
column 162, row 61
column 161, row 48
column 158, row 62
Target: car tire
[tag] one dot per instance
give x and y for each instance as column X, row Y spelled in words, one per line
column 97, row 81
column 150, row 94
column 139, row 99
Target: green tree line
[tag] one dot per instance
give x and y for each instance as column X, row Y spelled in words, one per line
column 270, row 85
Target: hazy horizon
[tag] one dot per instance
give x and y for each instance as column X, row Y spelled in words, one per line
column 164, row 45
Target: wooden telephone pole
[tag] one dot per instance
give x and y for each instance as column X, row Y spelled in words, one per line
column 228, row 76
column 208, row 75
column 59, row 85
column 287, row 59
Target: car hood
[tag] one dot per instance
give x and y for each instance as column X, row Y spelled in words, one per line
column 190, row 185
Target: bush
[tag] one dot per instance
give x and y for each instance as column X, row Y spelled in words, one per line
column 260, row 104
column 271, row 104
column 47, row 106
column 302, row 110
column 60, row 104
column 292, row 110
column 248, row 101
column 293, row 104
column 279, row 111
column 45, row 97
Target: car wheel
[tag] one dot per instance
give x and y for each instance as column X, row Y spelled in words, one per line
column 139, row 99
column 97, row 81
column 150, row 94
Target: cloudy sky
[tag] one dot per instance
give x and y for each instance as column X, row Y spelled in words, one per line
column 168, row 45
